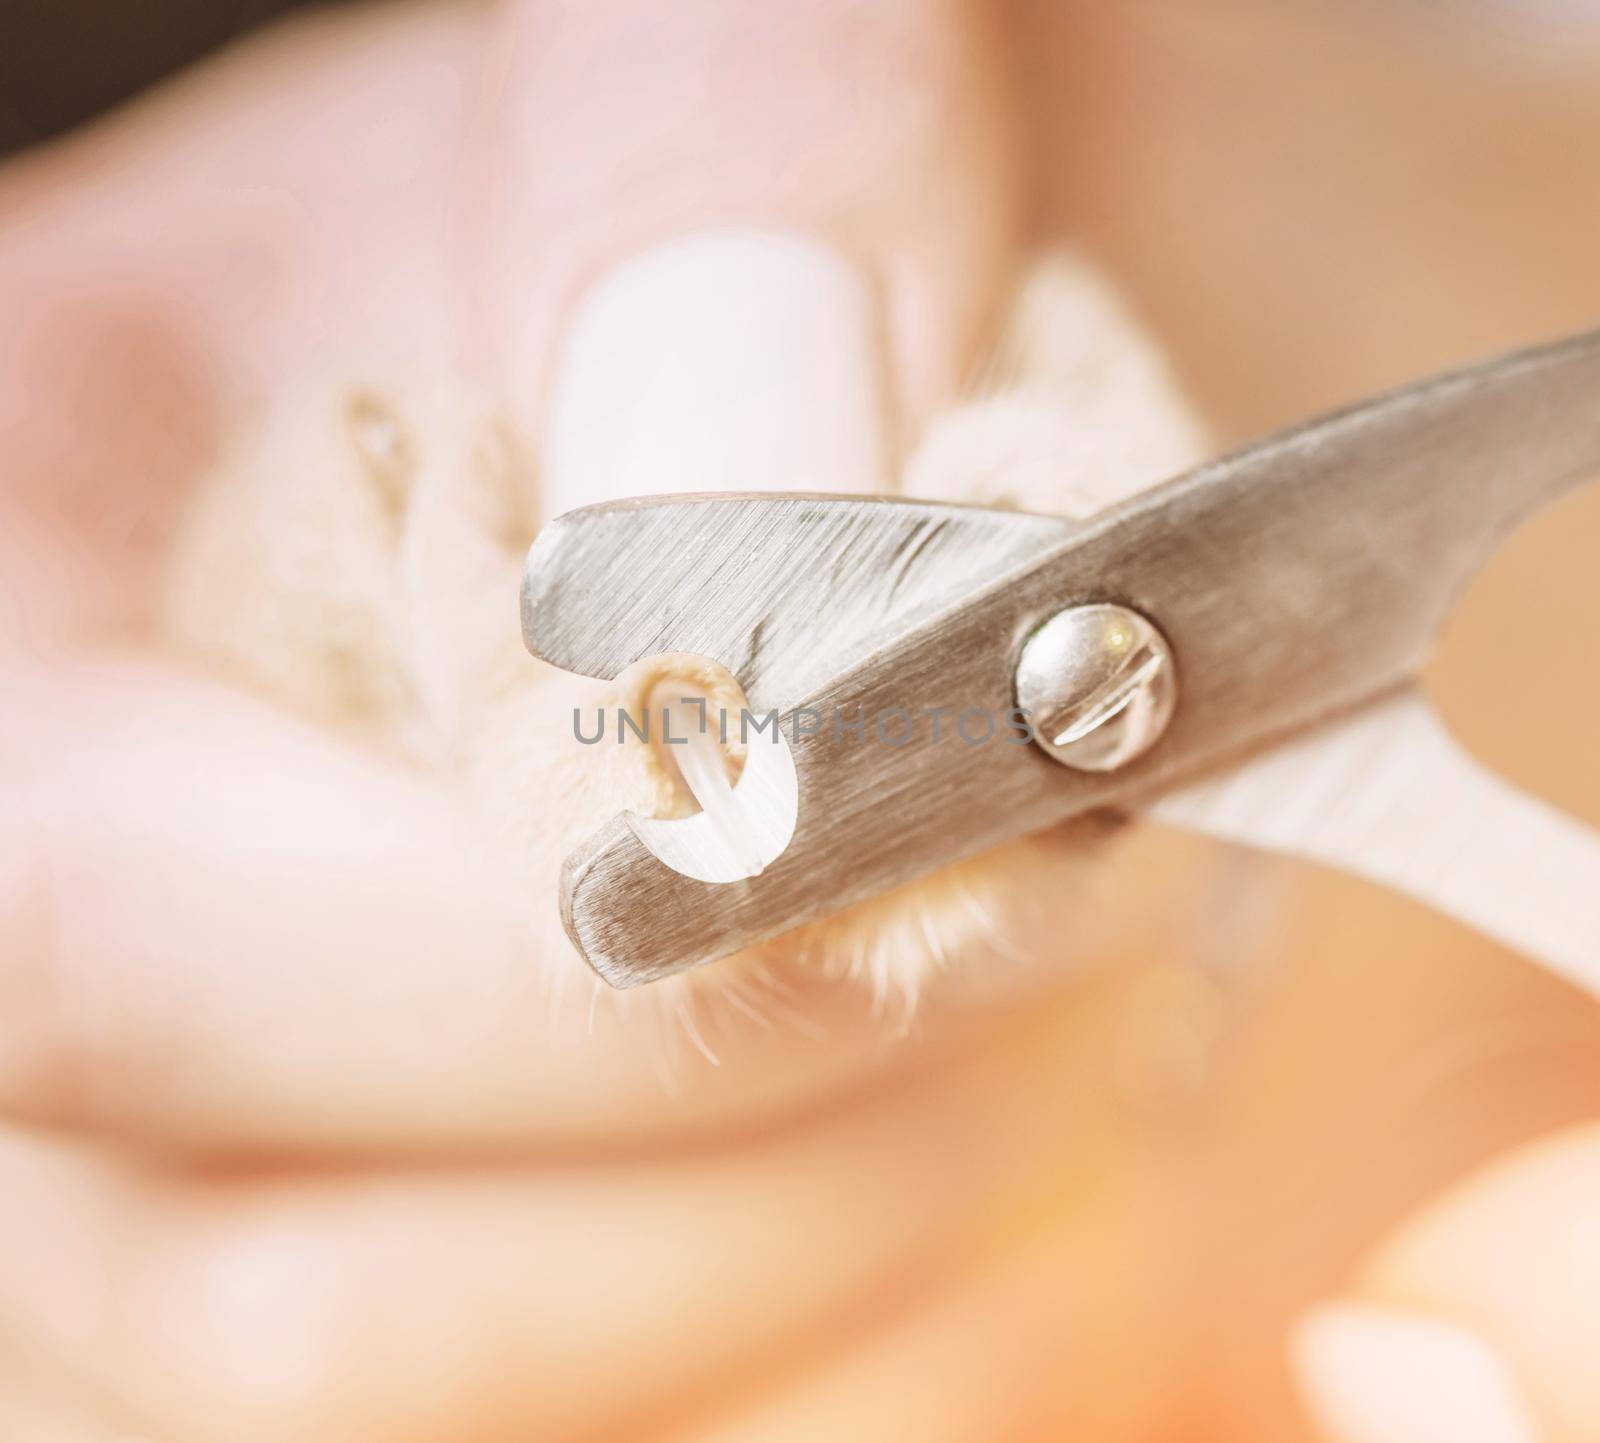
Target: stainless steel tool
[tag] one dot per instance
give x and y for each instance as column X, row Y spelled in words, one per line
column 1235, row 650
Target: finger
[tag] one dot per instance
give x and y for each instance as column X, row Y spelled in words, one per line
column 44, row 1393
column 1479, row 1320
column 1059, row 1331
column 335, row 1306
column 885, row 137
column 651, row 353
column 41, row 1416
column 221, row 927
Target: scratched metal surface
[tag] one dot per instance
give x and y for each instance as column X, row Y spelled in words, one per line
column 1294, row 579
column 786, row 590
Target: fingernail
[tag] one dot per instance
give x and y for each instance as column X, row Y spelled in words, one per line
column 1378, row 1375
column 724, row 360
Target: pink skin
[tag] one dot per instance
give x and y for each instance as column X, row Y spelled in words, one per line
column 817, row 1238
column 438, row 183
column 171, row 267
column 203, row 890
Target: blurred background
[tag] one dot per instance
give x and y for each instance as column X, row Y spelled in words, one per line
column 61, row 65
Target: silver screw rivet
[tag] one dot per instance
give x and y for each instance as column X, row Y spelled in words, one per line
column 1098, row 684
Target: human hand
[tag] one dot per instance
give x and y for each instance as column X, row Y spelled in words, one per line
column 331, row 1127
column 339, row 1144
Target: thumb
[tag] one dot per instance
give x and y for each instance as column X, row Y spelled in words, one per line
column 880, row 133
column 1479, row 1320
